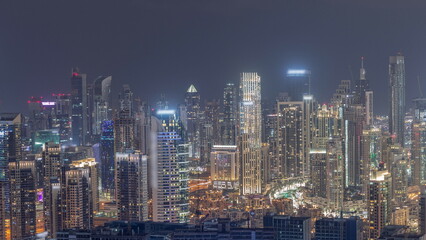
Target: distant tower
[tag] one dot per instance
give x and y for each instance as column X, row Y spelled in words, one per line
column 107, row 156
column 397, row 97
column 230, row 107
column 250, row 133
column 298, row 83
column 132, row 186
column 125, row 132
column 193, row 108
column 78, row 107
column 102, row 109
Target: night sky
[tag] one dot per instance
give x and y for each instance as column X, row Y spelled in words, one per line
column 163, row 46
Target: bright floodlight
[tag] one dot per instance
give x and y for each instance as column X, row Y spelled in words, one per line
column 297, row 72
column 165, row 112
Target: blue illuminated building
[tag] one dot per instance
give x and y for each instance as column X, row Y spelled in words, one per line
column 107, row 155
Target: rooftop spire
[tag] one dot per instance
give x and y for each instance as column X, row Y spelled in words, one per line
column 362, row 70
column 192, row 89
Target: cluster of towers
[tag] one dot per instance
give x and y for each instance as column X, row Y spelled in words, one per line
column 61, row 162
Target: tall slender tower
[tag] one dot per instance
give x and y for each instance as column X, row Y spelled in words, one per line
column 193, row 108
column 397, row 97
column 250, row 133
column 78, row 107
column 229, row 129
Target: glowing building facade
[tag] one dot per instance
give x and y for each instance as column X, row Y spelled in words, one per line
column 250, row 133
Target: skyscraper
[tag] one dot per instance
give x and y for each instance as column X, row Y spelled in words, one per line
column 397, row 97
column 338, row 229
column 132, row 186
column 101, row 105
column 78, row 107
column 250, row 133
column 125, row 131
column 193, row 110
column 52, row 165
column 290, row 138
column 22, row 199
column 170, row 169
column 10, row 151
column 230, row 107
column 378, row 200
column 62, row 118
column 107, row 156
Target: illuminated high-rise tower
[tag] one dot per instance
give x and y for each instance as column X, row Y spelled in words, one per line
column 169, row 168
column 78, row 107
column 107, row 156
column 51, row 159
column 193, row 108
column 22, row 199
column 378, row 200
column 250, row 133
column 397, row 97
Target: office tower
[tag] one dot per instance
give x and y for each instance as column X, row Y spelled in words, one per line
column 298, row 83
column 309, row 110
column 22, row 199
column 39, row 117
column 62, row 116
column 92, row 178
column 230, row 108
column 371, row 155
column 290, row 138
column 52, row 164
column 125, row 131
column 354, row 123
column 287, row 227
column 10, row 151
column 209, row 130
column 107, row 156
column 335, row 169
column 418, row 152
column 318, row 161
column 342, row 92
column 41, row 137
column 397, row 97
column 193, row 111
column 224, row 167
column 169, row 165
column 101, row 105
column 250, row 133
column 132, row 186
column 338, row 229
column 378, row 200
column 399, row 177
column 323, row 126
column 78, row 107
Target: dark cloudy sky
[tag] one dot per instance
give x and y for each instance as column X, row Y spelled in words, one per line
column 163, row 46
